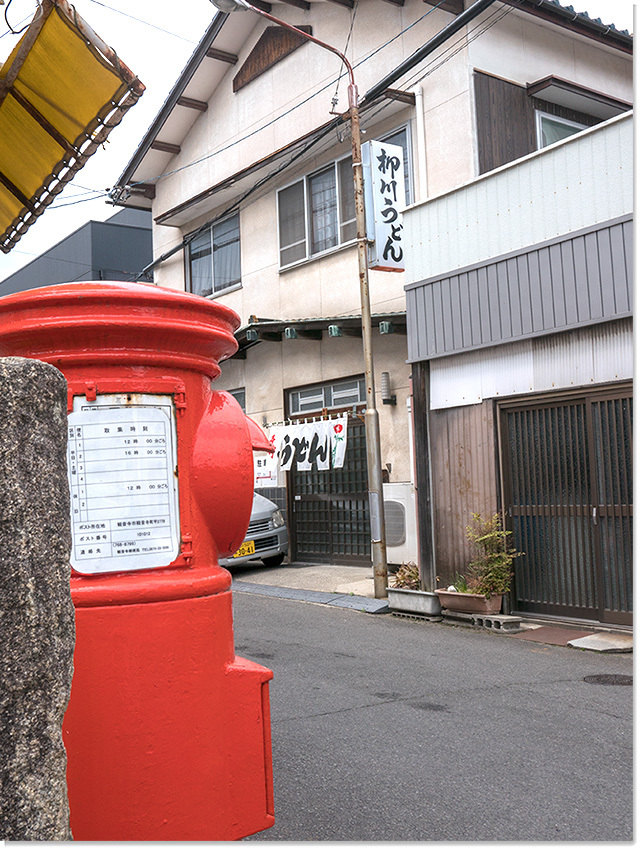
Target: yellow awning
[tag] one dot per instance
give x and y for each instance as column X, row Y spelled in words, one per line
column 62, row 91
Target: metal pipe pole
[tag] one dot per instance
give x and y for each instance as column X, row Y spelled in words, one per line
column 371, row 421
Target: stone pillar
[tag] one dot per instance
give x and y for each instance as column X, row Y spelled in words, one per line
column 37, row 627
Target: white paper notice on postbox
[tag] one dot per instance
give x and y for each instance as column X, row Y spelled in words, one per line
column 124, row 489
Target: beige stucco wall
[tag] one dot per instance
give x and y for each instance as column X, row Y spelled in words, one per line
column 231, row 117
column 524, row 49
column 271, row 369
column 518, row 48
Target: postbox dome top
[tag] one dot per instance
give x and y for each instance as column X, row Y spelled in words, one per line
column 128, row 322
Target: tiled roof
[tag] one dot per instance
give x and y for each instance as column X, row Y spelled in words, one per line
column 587, row 17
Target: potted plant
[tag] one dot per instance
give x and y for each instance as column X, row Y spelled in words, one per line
column 488, row 576
column 405, row 595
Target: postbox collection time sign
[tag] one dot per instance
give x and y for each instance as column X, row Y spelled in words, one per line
column 124, row 493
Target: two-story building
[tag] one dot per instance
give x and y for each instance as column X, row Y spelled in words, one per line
column 519, row 307
column 247, row 170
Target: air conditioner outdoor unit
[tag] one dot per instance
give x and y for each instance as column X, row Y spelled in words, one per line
column 400, row 522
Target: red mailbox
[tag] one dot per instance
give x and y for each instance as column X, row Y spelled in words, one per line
column 167, row 731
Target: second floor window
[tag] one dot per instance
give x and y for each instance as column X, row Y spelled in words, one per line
column 214, row 258
column 552, row 128
column 318, row 212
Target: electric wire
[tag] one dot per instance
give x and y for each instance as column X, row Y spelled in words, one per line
column 277, row 118
column 464, row 41
column 96, row 197
column 140, row 21
column 232, row 208
column 334, row 100
column 236, row 204
column 450, row 51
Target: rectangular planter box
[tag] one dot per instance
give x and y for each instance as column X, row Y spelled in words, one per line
column 408, row 600
column 467, row 602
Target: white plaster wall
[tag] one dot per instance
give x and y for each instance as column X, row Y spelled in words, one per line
column 523, row 49
column 272, row 368
column 518, row 48
column 299, row 76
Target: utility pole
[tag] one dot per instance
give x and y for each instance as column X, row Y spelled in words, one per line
column 372, row 423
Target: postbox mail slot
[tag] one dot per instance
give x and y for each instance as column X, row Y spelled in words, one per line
column 124, row 490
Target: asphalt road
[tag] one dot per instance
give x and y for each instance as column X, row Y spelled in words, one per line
column 388, row 729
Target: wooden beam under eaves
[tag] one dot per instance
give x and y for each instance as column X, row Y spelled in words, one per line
column 146, row 190
column 399, row 95
column 165, row 147
column 222, row 55
column 299, row 4
column 396, row 2
column 192, row 103
column 347, row 3
column 266, row 7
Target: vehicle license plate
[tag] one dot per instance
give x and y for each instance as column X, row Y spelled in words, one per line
column 245, row 549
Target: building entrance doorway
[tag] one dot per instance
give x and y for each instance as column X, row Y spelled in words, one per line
column 329, row 509
column 567, row 478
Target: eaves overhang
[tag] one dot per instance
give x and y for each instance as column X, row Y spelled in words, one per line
column 261, row 330
column 233, row 187
column 171, row 102
column 578, row 22
column 564, row 93
column 219, row 48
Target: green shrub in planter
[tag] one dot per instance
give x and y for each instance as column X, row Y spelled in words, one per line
column 490, row 572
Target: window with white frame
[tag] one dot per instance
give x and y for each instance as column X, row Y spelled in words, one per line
column 339, row 394
column 213, row 258
column 317, row 213
column 552, row 128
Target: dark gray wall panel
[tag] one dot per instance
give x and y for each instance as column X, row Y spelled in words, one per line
column 580, row 278
column 117, row 249
column 120, row 252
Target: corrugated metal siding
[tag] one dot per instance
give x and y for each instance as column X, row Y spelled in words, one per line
column 574, row 184
column 584, row 277
column 464, row 481
column 594, row 355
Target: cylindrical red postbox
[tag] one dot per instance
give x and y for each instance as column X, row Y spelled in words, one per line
column 167, row 731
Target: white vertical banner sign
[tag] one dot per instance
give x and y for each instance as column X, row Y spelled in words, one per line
column 338, row 441
column 384, row 196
